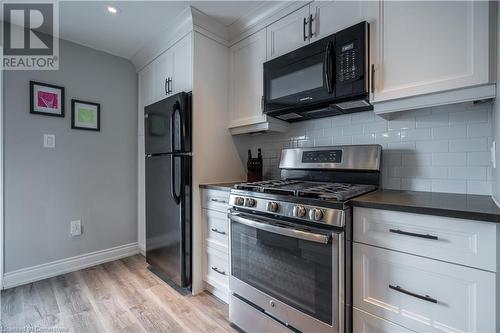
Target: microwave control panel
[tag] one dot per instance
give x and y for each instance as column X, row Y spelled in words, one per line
column 348, row 62
column 322, row 156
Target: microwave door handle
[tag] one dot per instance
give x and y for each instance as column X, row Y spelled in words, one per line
column 329, row 77
column 309, row 236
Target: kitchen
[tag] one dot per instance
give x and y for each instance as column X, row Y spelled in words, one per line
column 371, row 206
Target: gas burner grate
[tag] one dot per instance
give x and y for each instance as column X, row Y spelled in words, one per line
column 325, row 191
column 336, row 191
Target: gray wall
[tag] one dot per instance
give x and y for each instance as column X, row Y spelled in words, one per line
column 496, row 125
column 442, row 149
column 89, row 175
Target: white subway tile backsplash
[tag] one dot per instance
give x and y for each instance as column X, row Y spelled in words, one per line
column 416, row 134
column 476, row 144
column 443, row 149
column 412, row 159
column 454, row 132
column 375, row 127
column 323, row 141
column 446, row 185
column 479, row 159
column 478, row 187
column 479, row 130
column 433, row 120
column 449, row 159
column 353, row 129
column 479, row 115
column 475, row 173
column 415, row 184
column 432, row 146
column 342, row 140
column 401, row 124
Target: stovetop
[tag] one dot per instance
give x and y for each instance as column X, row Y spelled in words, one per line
column 307, row 189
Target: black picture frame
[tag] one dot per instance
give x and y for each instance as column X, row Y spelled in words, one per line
column 32, row 99
column 73, row 111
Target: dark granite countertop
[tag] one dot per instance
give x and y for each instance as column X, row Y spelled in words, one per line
column 220, row 186
column 464, row 206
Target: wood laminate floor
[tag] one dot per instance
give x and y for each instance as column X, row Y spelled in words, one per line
column 120, row 296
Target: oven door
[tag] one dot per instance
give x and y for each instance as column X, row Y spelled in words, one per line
column 291, row 273
column 300, row 79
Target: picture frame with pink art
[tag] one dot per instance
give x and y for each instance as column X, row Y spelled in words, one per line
column 46, row 99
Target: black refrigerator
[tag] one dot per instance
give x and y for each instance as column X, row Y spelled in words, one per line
column 168, row 188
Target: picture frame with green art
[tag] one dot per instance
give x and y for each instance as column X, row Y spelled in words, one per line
column 85, row 115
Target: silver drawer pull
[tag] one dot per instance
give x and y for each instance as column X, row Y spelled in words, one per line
column 425, row 297
column 218, row 200
column 406, row 233
column 221, row 272
column 218, row 231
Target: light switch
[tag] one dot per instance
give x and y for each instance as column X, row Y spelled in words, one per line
column 49, row 141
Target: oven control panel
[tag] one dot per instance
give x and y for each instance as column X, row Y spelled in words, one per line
column 308, row 213
column 322, row 156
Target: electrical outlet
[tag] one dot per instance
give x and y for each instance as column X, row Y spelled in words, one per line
column 49, row 141
column 76, row 228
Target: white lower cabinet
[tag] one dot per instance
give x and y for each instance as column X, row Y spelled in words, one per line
column 216, row 242
column 364, row 322
column 422, row 294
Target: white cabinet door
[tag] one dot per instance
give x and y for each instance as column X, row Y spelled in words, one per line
column 182, row 57
column 146, row 89
column 163, row 71
column 332, row 16
column 246, row 80
column 422, row 294
column 363, row 322
column 431, row 46
column 288, row 34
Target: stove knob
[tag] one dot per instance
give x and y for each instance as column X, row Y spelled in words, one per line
column 239, row 201
column 272, row 206
column 316, row 214
column 249, row 202
column 299, row 211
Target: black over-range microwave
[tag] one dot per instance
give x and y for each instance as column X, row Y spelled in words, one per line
column 325, row 78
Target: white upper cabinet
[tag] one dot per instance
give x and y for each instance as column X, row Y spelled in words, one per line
column 182, row 59
column 330, row 17
column 288, row 34
column 146, row 86
column 163, row 70
column 246, row 80
column 426, row 47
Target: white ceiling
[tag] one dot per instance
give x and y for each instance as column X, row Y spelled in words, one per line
column 88, row 23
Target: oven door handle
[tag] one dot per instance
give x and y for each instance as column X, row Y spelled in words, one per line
column 309, row 236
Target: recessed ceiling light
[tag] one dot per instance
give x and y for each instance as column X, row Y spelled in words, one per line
column 112, row 10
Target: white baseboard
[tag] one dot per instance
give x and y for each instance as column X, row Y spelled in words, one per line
column 63, row 266
column 142, row 249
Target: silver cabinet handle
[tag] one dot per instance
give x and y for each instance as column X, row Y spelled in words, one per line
column 218, row 200
column 218, row 231
column 309, row 236
column 221, row 272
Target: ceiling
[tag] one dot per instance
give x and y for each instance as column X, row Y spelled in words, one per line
column 88, row 23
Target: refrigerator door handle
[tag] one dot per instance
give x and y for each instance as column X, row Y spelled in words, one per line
column 175, row 109
column 177, row 198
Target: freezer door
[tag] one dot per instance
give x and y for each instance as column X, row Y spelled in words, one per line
column 168, row 220
column 167, row 125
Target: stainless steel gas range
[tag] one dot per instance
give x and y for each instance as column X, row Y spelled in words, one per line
column 291, row 241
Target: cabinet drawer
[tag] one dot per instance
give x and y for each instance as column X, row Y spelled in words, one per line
column 422, row 294
column 217, row 228
column 215, row 200
column 366, row 323
column 217, row 268
column 469, row 243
